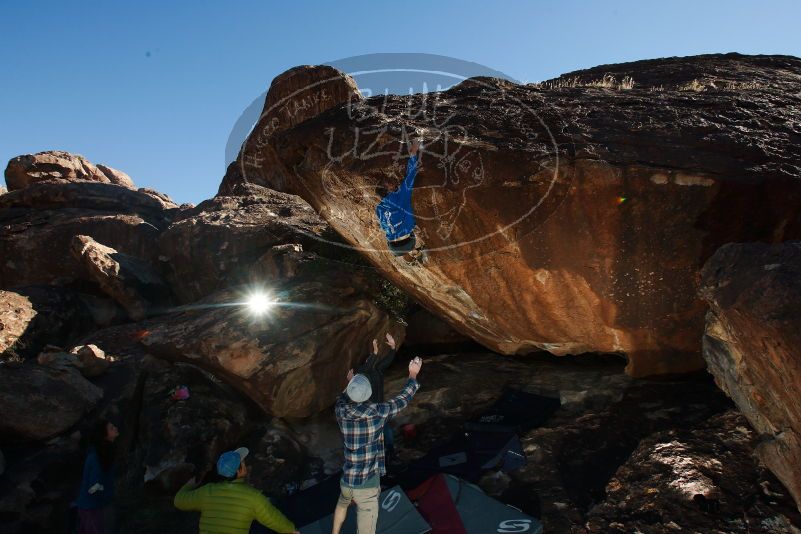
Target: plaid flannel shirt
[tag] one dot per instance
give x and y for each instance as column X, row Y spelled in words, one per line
column 362, row 426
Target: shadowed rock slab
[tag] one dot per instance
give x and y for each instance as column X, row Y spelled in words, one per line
column 60, row 316
column 283, row 262
column 38, row 402
column 38, row 223
column 130, row 281
column 569, row 216
column 753, row 332
column 38, row 486
column 162, row 198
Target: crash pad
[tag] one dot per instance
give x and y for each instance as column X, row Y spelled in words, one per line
column 467, row 455
column 434, row 502
column 481, row 514
column 396, row 515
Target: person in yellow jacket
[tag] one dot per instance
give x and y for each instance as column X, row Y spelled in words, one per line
column 229, row 507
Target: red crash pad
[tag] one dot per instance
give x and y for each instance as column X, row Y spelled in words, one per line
column 435, row 504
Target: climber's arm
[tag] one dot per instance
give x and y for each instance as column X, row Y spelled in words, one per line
column 411, row 172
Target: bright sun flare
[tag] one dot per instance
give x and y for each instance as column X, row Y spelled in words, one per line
column 260, row 303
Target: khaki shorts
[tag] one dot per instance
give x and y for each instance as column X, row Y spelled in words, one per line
column 366, row 501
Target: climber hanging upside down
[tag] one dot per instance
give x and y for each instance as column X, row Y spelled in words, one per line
column 395, row 214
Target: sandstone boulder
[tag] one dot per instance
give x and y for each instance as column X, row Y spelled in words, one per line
column 289, row 359
column 38, row 223
column 296, row 95
column 39, row 402
column 93, row 361
column 56, row 358
column 28, row 169
column 304, row 92
column 130, row 281
column 753, row 332
column 36, row 316
column 221, row 242
column 89, row 360
column 163, row 199
column 570, row 216
column 16, row 313
column 116, row 177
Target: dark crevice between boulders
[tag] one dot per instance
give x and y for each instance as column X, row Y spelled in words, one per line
column 618, row 432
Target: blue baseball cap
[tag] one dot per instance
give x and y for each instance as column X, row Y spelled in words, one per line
column 229, row 462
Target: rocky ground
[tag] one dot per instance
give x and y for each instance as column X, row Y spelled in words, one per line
column 620, row 455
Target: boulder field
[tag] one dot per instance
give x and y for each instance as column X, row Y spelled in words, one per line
column 649, row 211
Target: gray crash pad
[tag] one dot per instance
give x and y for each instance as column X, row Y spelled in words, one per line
column 396, row 515
column 481, row 514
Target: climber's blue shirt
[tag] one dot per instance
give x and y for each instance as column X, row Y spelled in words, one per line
column 93, row 474
column 394, row 212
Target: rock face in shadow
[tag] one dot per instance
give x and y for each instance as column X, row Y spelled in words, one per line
column 38, row 486
column 689, row 479
column 28, row 169
column 426, row 331
column 571, row 216
column 38, row 223
column 130, row 281
column 181, row 438
column 751, row 342
column 221, row 242
column 38, row 402
column 42, row 315
column 291, row 361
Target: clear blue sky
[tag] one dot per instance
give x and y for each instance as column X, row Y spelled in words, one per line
column 154, row 88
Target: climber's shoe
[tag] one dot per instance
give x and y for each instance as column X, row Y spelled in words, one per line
column 404, row 245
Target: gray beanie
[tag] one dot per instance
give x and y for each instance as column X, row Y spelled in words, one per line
column 359, row 389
